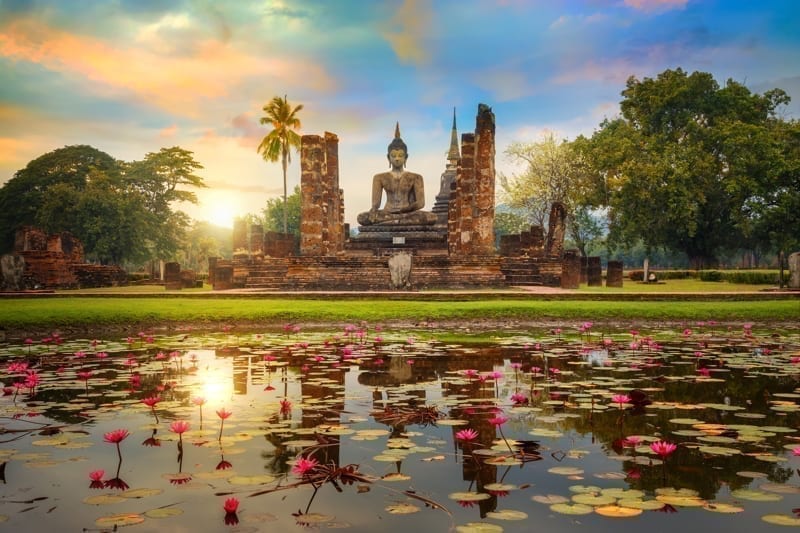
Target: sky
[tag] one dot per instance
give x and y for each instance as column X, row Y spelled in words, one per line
column 130, row 77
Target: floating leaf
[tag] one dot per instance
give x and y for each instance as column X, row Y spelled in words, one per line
column 164, row 512
column 722, row 508
column 402, row 508
column 119, row 520
column 469, row 496
column 645, row 505
column 781, row 520
column 565, row 470
column 756, row 495
column 571, row 508
column 479, row 527
column 549, row 499
column 140, row 493
column 616, row 511
column 594, row 499
column 507, row 514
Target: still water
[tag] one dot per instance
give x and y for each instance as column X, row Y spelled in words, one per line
column 367, row 429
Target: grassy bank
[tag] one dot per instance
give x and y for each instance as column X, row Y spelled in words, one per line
column 41, row 314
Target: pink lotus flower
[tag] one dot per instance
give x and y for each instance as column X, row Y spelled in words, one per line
column 620, row 399
column 519, row 399
column 151, row 401
column 116, row 436
column 96, row 475
column 631, row 441
column 498, row 420
column 467, row 435
column 286, row 406
column 663, row 448
column 231, row 505
column 224, row 413
column 303, row 466
column 179, row 426
column 796, row 451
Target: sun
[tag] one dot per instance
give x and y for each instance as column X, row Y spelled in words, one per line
column 220, row 215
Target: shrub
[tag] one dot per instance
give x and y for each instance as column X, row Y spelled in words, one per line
column 752, row 277
column 710, row 275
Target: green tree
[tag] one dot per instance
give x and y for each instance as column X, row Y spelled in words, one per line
column 553, row 172
column 278, row 143
column 278, row 212
column 161, row 178
column 23, row 195
column 677, row 169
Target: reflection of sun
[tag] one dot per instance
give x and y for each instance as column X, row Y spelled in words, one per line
column 215, row 390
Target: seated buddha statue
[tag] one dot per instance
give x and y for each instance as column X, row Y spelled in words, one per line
column 405, row 193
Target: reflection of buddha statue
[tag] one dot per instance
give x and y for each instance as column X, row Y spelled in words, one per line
column 405, row 193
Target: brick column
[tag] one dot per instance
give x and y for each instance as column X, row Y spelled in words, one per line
column 311, row 159
column 594, row 272
column 483, row 207
column 614, row 274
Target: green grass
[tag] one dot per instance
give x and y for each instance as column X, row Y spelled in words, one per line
column 676, row 285
column 19, row 314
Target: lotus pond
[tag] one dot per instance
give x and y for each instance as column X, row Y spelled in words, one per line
column 571, row 429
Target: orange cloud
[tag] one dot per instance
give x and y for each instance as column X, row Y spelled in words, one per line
column 179, row 83
column 408, row 32
column 168, row 132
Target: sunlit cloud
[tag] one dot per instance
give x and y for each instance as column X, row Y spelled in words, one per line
column 656, row 5
column 408, row 32
column 168, row 132
column 179, row 83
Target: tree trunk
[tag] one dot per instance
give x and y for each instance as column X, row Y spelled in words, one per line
column 285, row 214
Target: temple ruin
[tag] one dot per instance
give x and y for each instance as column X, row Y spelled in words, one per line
column 454, row 249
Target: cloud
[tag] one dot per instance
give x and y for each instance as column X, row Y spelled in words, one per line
column 181, row 82
column 408, row 32
column 656, row 5
column 168, row 132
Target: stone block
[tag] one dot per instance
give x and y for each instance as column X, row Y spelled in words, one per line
column 594, row 272
column 794, row 270
column 614, row 274
column 571, row 270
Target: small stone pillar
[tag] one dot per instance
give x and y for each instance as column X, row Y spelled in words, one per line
column 794, row 270
column 571, row 270
column 614, row 274
column 594, row 272
column 12, row 268
column 240, row 244
column 400, row 270
column 223, row 277
column 172, row 276
column 212, row 268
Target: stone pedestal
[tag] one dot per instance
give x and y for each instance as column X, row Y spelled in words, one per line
column 614, row 274
column 594, row 272
column 571, row 270
column 223, row 277
column 794, row 270
column 400, row 270
column 12, row 267
column 172, row 276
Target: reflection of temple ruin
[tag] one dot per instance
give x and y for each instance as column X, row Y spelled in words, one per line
column 458, row 251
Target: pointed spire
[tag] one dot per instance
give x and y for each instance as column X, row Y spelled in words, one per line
column 397, row 130
column 453, row 154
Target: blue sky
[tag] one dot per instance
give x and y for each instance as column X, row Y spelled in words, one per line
column 132, row 76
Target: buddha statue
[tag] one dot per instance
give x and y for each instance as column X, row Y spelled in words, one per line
column 405, row 192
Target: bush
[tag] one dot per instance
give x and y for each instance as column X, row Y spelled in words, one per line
column 710, row 275
column 752, row 277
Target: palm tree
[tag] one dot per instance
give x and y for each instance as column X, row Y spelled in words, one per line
column 282, row 138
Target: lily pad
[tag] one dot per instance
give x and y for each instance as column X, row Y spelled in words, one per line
column 617, row 511
column 119, row 520
column 571, row 508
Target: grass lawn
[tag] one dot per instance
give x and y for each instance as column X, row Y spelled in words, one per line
column 150, row 306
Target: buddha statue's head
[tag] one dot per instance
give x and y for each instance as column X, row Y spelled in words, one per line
column 396, row 147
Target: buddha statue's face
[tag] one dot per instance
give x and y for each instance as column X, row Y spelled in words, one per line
column 397, row 158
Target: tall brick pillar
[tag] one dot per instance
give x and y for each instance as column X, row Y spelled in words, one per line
column 459, row 221
column 322, row 206
column 311, row 159
column 483, row 208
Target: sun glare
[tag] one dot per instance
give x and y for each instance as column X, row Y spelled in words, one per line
column 220, row 215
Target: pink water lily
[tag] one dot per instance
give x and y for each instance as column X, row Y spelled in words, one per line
column 467, row 435
column 303, row 466
column 663, row 448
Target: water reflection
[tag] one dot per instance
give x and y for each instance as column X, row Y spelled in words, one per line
column 403, row 433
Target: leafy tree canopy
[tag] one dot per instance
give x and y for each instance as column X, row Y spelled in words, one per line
column 687, row 157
